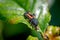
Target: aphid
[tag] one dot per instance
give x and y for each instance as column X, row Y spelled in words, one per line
column 31, row 19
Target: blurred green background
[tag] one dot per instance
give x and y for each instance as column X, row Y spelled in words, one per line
column 55, row 13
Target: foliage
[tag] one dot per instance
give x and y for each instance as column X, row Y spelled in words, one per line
column 12, row 14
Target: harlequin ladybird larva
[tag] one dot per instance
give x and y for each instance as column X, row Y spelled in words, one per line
column 31, row 18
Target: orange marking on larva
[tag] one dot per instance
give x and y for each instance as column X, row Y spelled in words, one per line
column 29, row 16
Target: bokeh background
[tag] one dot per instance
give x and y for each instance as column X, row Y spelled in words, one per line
column 55, row 12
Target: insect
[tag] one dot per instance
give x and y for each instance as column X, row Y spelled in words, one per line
column 31, row 19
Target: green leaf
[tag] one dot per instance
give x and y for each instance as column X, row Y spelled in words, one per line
column 12, row 12
column 36, row 34
column 28, row 5
column 32, row 38
column 44, row 18
column 44, row 21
